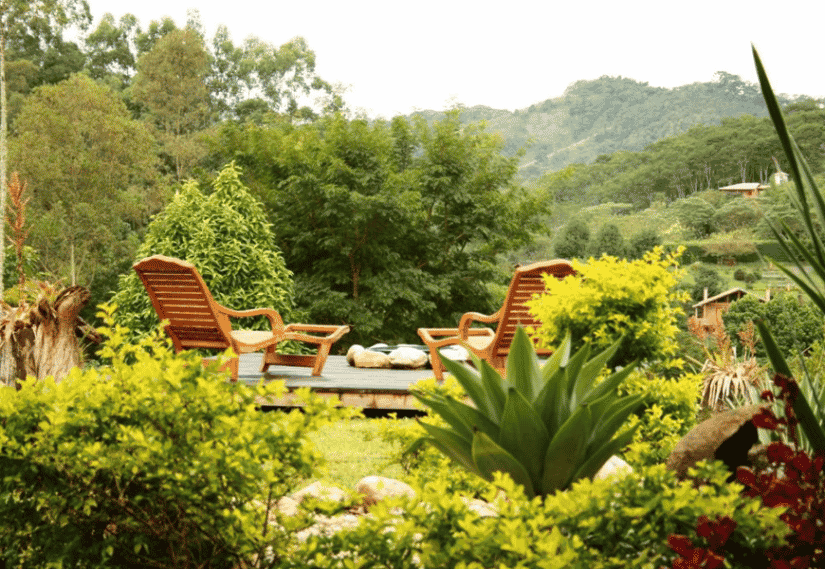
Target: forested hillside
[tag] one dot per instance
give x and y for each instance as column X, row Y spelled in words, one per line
column 611, row 114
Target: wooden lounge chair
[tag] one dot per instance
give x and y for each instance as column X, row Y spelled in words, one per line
column 195, row 320
column 494, row 345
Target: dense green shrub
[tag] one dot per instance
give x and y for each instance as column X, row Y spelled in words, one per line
column 610, row 299
column 705, row 278
column 668, row 412
column 572, row 241
column 642, row 242
column 625, row 522
column 226, row 235
column 439, row 529
column 796, row 324
column 607, row 241
column 155, row 463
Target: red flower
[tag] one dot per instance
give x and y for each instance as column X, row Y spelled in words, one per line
column 765, row 419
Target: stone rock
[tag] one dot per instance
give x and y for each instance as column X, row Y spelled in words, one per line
column 615, row 466
column 370, row 359
column 353, row 349
column 328, row 525
column 320, row 491
column 377, row 488
column 287, row 506
column 456, row 353
column 480, row 507
column 378, row 346
column 407, row 357
column 726, row 436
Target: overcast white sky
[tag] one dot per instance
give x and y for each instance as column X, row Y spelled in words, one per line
column 429, row 54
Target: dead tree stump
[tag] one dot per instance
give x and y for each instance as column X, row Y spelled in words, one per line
column 41, row 338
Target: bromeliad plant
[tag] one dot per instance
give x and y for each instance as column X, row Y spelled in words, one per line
column 544, row 426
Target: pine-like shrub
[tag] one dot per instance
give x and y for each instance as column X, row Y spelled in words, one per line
column 226, row 235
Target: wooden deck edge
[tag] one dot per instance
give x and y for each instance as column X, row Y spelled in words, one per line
column 389, row 400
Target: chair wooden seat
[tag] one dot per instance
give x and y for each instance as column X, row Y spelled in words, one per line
column 195, row 320
column 494, row 345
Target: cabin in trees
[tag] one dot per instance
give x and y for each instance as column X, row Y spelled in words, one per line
column 747, row 190
column 707, row 315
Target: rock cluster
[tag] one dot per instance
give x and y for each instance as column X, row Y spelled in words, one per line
column 373, row 489
column 379, row 356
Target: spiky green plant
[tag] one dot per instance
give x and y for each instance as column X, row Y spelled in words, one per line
column 807, row 259
column 546, row 426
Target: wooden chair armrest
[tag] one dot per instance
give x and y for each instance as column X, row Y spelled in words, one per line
column 274, row 317
column 429, row 335
column 302, row 332
column 468, row 318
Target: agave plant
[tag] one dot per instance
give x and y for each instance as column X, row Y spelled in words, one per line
column 546, row 426
column 807, row 259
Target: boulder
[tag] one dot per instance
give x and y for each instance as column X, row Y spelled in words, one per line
column 353, row 349
column 406, row 357
column 377, row 488
column 370, row 359
column 726, row 436
column 615, row 466
column 321, row 491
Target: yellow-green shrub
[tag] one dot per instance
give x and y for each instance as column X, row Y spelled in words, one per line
column 149, row 461
column 669, row 411
column 625, row 522
column 610, row 298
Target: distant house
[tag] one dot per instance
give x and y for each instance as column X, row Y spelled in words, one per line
column 748, row 189
column 708, row 313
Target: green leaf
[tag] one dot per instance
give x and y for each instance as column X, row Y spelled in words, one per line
column 559, row 358
column 523, row 434
column 489, row 457
column 590, row 371
column 471, row 383
column 441, row 406
column 610, row 384
column 566, row 451
column 492, row 383
column 523, row 370
column 612, row 418
column 774, row 354
column 551, row 403
column 599, row 456
column 573, row 368
column 452, row 445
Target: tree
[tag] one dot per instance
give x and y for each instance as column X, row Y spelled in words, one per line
column 705, row 278
column 696, row 214
column 86, row 161
column 397, row 226
column 642, row 242
column 608, row 241
column 171, row 85
column 228, row 238
column 111, row 49
column 794, row 323
column 18, row 18
column 573, row 240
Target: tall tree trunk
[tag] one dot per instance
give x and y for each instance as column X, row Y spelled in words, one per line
column 41, row 339
column 3, row 154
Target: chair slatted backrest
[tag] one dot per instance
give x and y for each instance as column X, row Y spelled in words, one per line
column 179, row 295
column 527, row 282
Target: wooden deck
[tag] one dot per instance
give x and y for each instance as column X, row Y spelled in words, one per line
column 363, row 388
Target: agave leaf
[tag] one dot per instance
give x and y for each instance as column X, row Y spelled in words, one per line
column 612, row 419
column 523, row 434
column 566, row 450
column 610, row 384
column 523, row 370
column 452, row 446
column 441, row 406
column 470, row 381
column 596, row 459
column 475, row 418
column 493, row 387
column 774, row 353
column 573, row 368
column 591, row 369
column 559, row 358
column 489, row 457
column 547, row 402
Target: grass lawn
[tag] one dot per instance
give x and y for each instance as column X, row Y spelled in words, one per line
column 354, row 450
